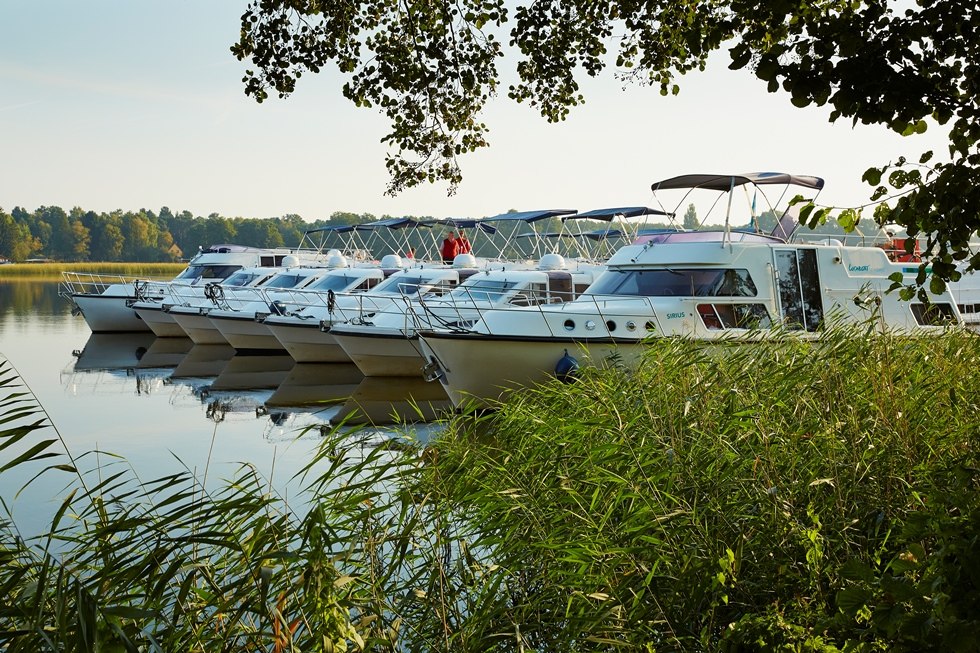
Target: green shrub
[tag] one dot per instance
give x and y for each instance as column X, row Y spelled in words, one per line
column 780, row 496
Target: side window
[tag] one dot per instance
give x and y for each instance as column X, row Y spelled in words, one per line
column 734, row 316
column 937, row 314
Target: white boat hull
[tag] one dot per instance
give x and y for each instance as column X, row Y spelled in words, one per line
column 306, row 343
column 108, row 313
column 160, row 322
column 246, row 334
column 383, row 353
column 199, row 328
column 482, row 375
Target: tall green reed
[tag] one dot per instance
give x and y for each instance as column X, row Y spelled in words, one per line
column 720, row 494
column 779, row 495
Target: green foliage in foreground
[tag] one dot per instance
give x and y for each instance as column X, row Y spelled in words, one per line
column 779, row 496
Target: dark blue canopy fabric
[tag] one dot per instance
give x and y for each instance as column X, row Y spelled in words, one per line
column 727, row 182
column 529, row 216
column 462, row 223
column 389, row 223
column 340, row 229
column 603, row 234
column 620, row 212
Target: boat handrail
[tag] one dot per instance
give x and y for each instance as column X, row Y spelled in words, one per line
column 94, row 283
column 598, row 310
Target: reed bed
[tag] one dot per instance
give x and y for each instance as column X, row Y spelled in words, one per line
column 778, row 496
column 14, row 271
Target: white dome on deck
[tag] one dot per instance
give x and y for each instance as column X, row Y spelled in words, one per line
column 336, row 260
column 391, row 261
column 552, row 262
column 464, row 261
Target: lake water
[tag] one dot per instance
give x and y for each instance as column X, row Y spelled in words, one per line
column 165, row 404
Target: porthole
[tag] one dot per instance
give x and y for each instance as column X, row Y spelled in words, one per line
column 650, row 326
column 610, row 325
column 590, row 325
column 631, row 326
column 569, row 325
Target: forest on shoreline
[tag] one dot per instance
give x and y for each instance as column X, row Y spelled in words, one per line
column 145, row 236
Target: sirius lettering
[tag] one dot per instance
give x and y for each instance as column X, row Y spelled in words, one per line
column 674, row 316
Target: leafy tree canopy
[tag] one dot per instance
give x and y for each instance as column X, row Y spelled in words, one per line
column 432, row 66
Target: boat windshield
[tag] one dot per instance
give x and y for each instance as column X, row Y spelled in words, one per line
column 285, row 281
column 335, row 282
column 398, row 284
column 482, row 290
column 242, row 278
column 663, row 282
column 195, row 272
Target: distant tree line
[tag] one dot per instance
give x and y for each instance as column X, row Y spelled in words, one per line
column 143, row 236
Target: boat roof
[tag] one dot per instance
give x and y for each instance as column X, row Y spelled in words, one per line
column 618, row 212
column 390, row 223
column 712, row 236
column 727, row 182
column 529, row 216
column 227, row 248
column 461, row 223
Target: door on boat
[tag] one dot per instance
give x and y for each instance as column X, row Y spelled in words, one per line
column 798, row 279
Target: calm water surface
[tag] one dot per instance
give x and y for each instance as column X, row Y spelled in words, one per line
column 164, row 404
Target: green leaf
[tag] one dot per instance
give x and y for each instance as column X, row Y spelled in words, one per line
column 852, row 599
column 872, row 176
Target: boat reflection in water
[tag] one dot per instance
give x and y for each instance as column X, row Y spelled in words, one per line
column 354, row 399
column 203, row 361
column 113, row 351
column 165, row 352
column 258, row 372
column 312, row 384
column 297, row 398
column 382, row 400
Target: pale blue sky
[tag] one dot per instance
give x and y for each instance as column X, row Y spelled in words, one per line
column 132, row 104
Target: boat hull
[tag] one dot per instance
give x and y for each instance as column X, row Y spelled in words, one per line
column 160, row 322
column 383, row 353
column 108, row 313
column 199, row 328
column 246, row 334
column 306, row 343
column 482, row 371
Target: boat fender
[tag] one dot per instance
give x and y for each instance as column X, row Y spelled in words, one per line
column 331, row 301
column 566, row 370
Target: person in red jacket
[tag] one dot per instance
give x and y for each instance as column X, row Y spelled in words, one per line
column 463, row 244
column 450, row 248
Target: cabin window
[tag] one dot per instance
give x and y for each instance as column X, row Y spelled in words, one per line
column 482, row 290
column 335, row 282
column 240, row 279
column 734, row 316
column 195, row 272
column 403, row 285
column 938, row 314
column 679, row 282
column 284, row 281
